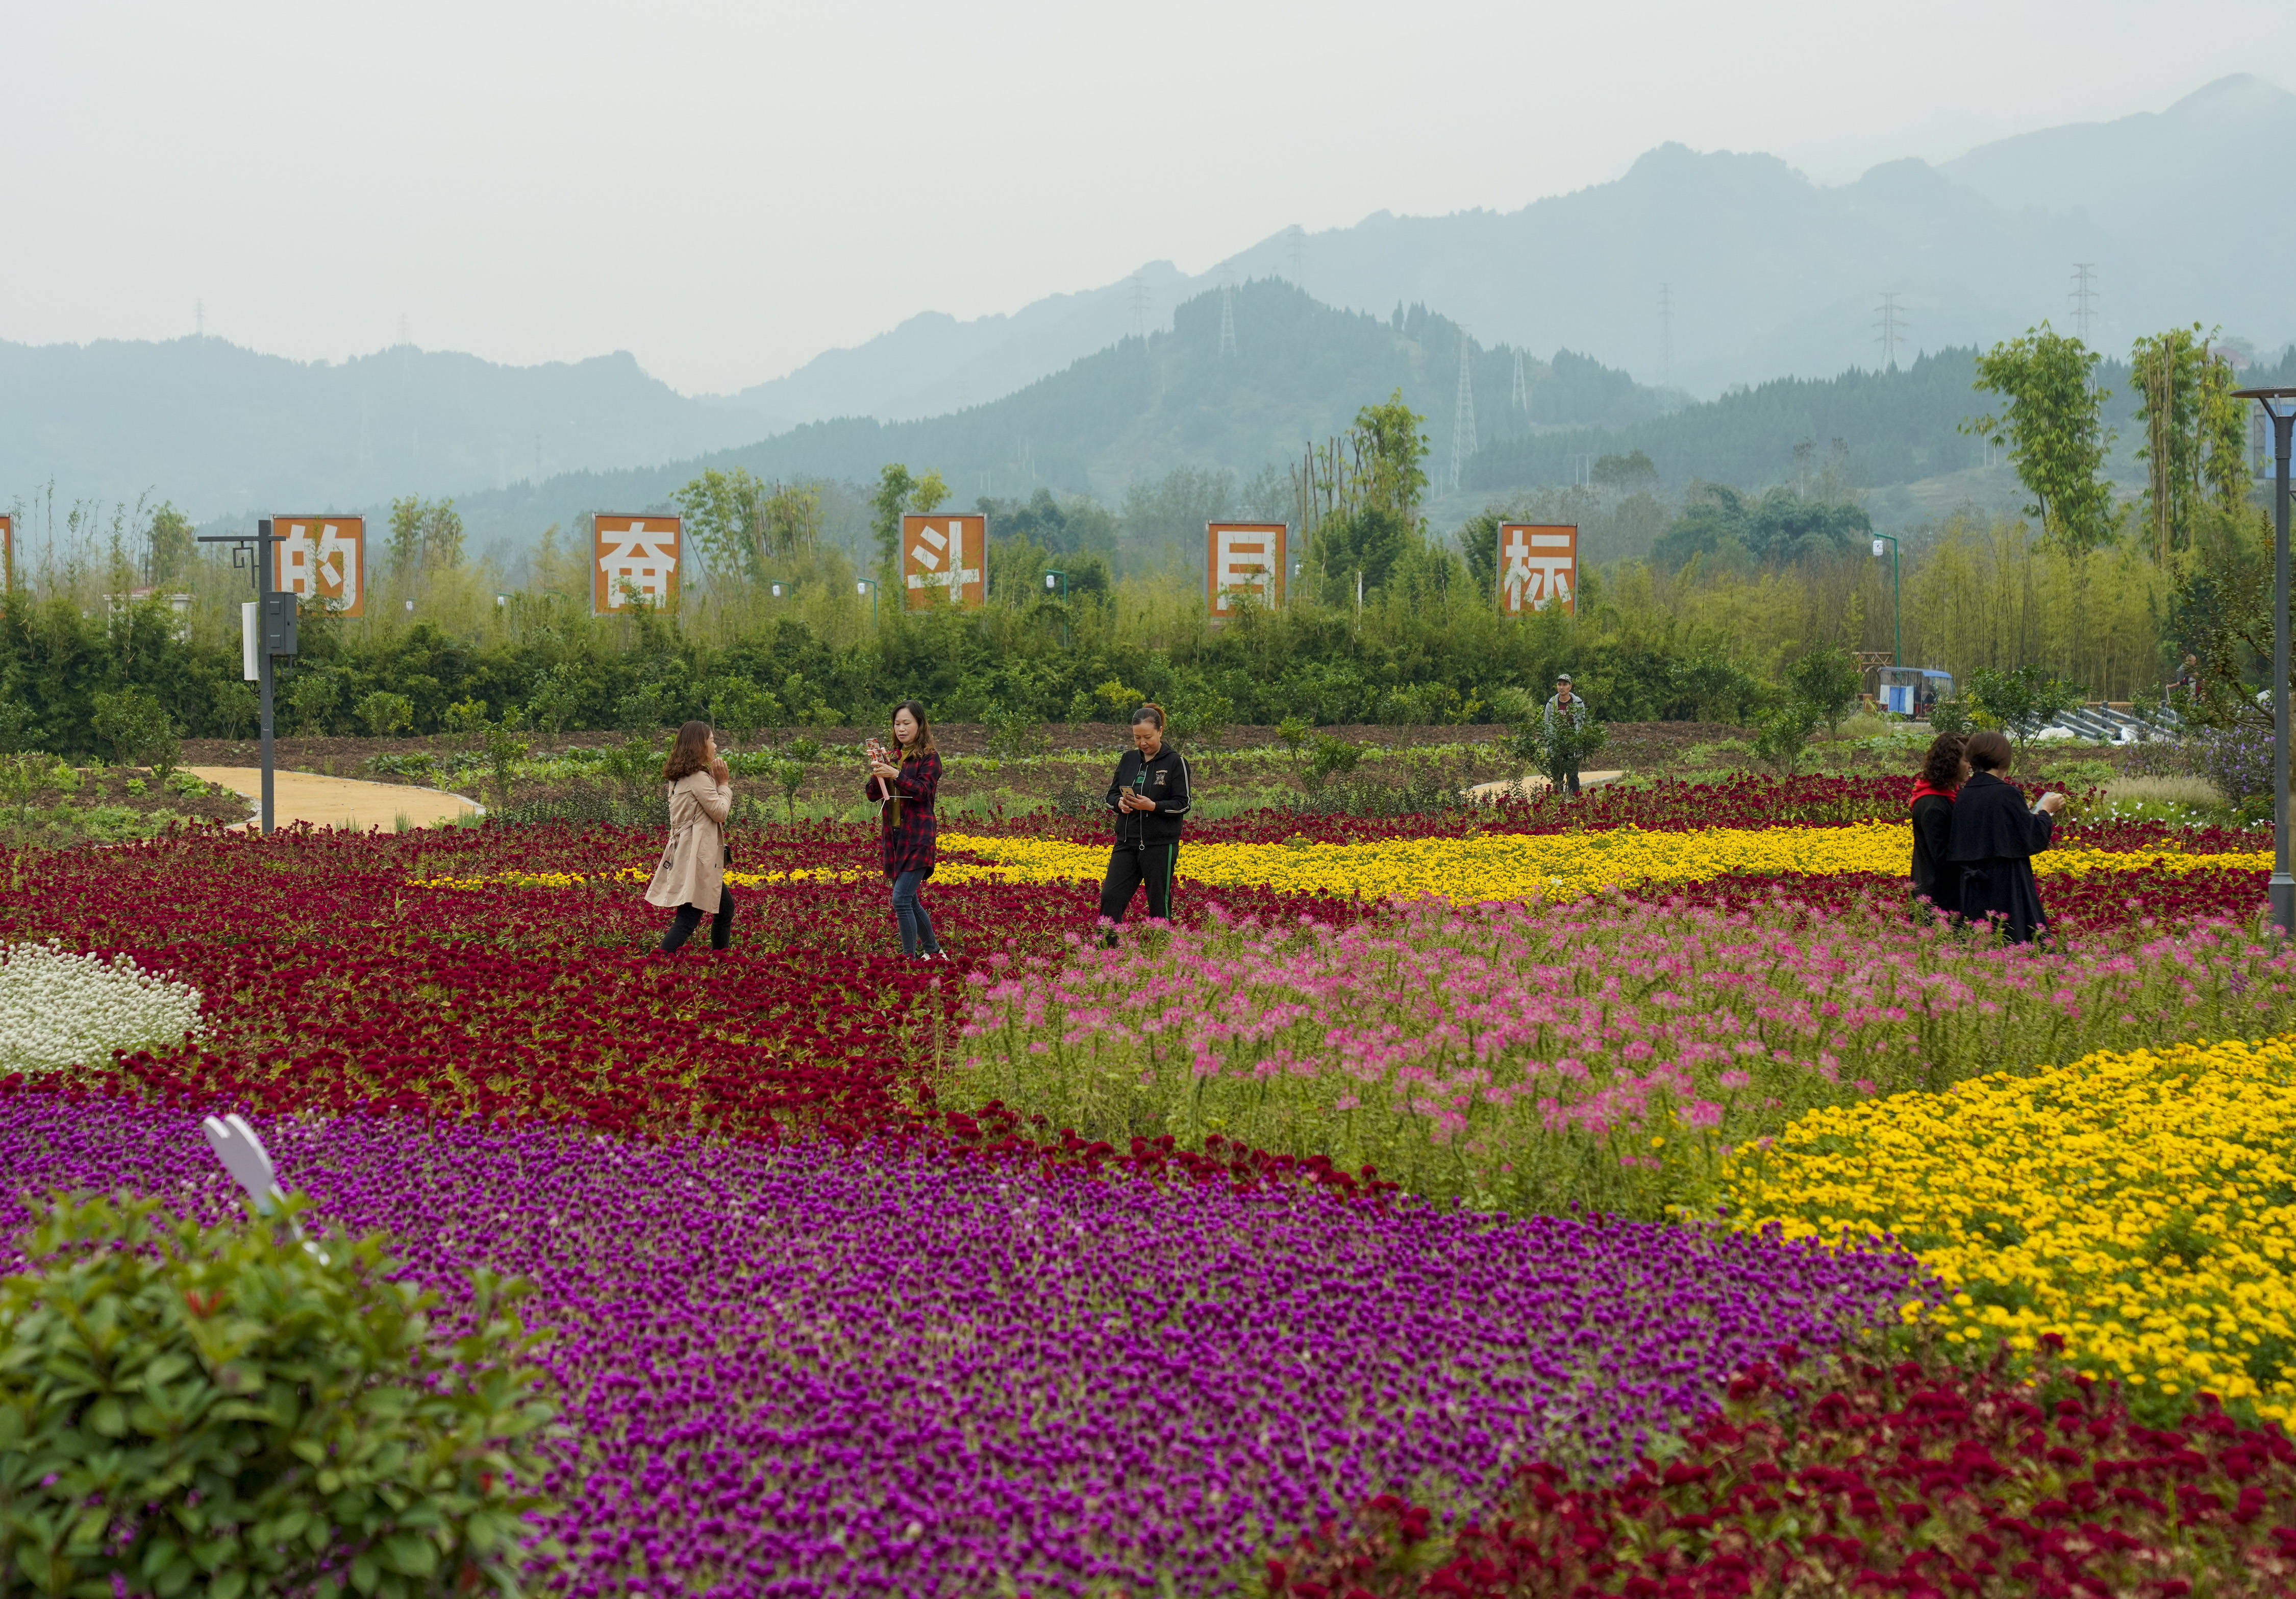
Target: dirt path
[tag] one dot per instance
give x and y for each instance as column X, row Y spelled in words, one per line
column 1534, row 786
column 338, row 801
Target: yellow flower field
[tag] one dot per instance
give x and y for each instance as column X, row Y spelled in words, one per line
column 1507, row 866
column 1489, row 866
column 2141, row 1205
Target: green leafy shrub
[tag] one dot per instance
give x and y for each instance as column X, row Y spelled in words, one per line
column 385, row 714
column 1330, row 758
column 229, row 1411
column 137, row 730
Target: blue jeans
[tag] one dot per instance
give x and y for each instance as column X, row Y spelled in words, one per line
column 916, row 927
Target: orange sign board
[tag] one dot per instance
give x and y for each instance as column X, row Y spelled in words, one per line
column 945, row 554
column 635, row 560
column 1240, row 558
column 1538, row 567
column 322, row 561
column 8, row 550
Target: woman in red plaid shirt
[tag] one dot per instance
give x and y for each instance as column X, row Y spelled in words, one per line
column 905, row 796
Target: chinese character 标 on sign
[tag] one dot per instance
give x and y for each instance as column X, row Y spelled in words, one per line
column 1538, row 567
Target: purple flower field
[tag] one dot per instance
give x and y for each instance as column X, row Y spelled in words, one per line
column 802, row 1370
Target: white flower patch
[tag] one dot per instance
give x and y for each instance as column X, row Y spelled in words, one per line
column 58, row 1009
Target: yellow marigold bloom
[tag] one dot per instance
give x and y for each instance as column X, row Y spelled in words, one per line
column 2139, row 1205
column 1512, row 866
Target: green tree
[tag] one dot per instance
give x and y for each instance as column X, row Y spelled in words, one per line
column 1826, row 680
column 171, row 547
column 2022, row 701
column 1395, row 447
column 885, row 508
column 425, row 536
column 724, row 513
column 899, row 491
column 2171, row 373
column 738, row 705
column 137, row 730
column 385, row 714
column 2053, row 426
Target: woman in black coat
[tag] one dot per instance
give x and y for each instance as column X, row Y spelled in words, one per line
column 1994, row 839
column 1936, row 878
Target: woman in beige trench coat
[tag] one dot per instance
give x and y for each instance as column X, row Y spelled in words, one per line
column 691, row 874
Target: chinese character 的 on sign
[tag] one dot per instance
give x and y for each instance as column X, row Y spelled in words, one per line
column 637, row 557
column 322, row 562
column 1243, row 557
column 945, row 561
column 1538, row 567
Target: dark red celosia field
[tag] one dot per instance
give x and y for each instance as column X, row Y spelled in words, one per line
column 1886, row 1480
column 334, row 984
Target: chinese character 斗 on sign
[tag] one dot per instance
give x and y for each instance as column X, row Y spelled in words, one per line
column 945, row 554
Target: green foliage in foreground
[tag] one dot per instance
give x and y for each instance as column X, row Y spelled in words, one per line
column 230, row 1411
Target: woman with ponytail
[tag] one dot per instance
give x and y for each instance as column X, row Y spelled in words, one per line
column 902, row 780
column 1150, row 797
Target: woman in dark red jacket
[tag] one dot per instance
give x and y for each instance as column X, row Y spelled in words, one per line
column 904, row 795
column 1936, row 878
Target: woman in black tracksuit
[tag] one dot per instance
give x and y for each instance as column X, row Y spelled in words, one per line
column 1150, row 798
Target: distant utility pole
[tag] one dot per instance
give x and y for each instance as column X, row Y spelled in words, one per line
column 1228, row 315
column 1462, row 415
column 1665, row 329
column 2084, row 298
column 1892, row 326
column 1139, row 307
column 1298, row 240
column 1520, row 400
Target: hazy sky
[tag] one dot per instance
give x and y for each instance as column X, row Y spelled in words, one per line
column 727, row 190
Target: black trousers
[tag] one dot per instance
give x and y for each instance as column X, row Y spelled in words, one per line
column 1148, row 866
column 689, row 916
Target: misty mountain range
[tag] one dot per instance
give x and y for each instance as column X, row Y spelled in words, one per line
column 1761, row 274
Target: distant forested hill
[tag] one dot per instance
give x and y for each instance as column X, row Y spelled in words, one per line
column 1299, row 372
column 1897, row 425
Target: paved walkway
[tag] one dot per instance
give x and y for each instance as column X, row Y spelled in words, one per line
column 338, row 801
column 1530, row 787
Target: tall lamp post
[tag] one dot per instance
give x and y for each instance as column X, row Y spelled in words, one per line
column 2279, row 405
column 1897, row 610
column 271, row 629
column 868, row 586
column 1056, row 584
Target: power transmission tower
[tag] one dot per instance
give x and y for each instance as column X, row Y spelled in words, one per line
column 1139, row 307
column 1665, row 329
column 1892, row 326
column 1463, row 417
column 1297, row 237
column 1520, row 400
column 2084, row 298
column 1228, row 316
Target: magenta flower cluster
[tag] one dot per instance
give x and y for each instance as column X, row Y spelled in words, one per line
column 799, row 1371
